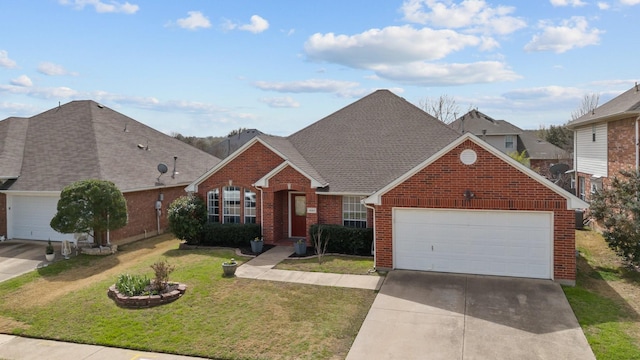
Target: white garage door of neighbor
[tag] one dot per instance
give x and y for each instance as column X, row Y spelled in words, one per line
column 506, row 243
column 30, row 218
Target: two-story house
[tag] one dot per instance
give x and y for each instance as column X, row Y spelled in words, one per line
column 605, row 142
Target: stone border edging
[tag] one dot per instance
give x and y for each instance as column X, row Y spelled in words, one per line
column 145, row 301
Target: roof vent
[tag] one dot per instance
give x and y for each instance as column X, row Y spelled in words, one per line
column 637, row 86
column 101, row 106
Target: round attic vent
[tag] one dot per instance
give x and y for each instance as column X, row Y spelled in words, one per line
column 468, row 157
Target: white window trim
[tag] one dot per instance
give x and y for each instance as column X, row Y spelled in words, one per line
column 361, row 209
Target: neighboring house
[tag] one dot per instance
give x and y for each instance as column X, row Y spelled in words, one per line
column 437, row 200
column 509, row 138
column 606, row 141
column 232, row 143
column 80, row 140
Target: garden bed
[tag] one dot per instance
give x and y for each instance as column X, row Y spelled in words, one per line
column 174, row 292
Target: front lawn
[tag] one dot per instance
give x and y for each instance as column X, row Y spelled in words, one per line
column 606, row 299
column 338, row 264
column 228, row 318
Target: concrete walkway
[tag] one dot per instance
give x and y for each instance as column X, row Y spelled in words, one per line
column 262, row 268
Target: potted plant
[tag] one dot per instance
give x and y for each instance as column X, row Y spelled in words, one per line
column 229, row 267
column 256, row 245
column 300, row 246
column 49, row 253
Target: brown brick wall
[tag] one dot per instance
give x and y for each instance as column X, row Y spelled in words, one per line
column 621, row 150
column 496, row 185
column 3, row 214
column 142, row 219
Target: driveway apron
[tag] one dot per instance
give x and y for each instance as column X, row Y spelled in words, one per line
column 422, row 315
column 18, row 257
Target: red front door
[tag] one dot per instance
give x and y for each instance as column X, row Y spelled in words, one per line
column 298, row 215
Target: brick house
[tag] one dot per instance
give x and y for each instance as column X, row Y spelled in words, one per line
column 605, row 142
column 80, row 140
column 509, row 138
column 437, row 201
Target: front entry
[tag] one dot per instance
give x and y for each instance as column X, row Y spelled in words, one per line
column 298, row 217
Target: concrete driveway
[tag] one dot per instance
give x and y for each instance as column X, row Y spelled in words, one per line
column 421, row 315
column 20, row 256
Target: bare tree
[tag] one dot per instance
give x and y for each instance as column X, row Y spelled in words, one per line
column 588, row 104
column 320, row 242
column 443, row 108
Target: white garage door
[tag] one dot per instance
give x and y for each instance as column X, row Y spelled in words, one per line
column 507, row 243
column 30, row 218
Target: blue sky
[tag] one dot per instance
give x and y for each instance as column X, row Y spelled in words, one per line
column 207, row 67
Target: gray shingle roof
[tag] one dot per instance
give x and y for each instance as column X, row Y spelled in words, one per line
column 539, row 149
column 624, row 105
column 286, row 148
column 13, row 132
column 83, row 139
column 366, row 145
column 475, row 122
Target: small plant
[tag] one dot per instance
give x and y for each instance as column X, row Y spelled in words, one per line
column 133, row 285
column 161, row 269
column 257, row 239
column 232, row 261
column 49, row 250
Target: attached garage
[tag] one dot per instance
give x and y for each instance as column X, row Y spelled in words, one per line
column 29, row 218
column 506, row 243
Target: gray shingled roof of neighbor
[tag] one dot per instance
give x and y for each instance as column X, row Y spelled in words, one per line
column 539, row 149
column 366, row 145
column 86, row 140
column 475, row 122
column 13, row 132
column 622, row 106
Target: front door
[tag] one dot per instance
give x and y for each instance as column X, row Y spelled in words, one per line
column 298, row 215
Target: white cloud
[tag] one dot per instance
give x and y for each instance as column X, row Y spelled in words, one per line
column 22, row 80
column 570, row 34
column 307, row 86
column 471, row 15
column 52, row 69
column 280, row 102
column 630, row 2
column 388, row 45
column 194, row 21
column 573, row 3
column 5, row 61
column 603, row 5
column 103, row 7
column 546, row 93
column 429, row 74
column 257, row 25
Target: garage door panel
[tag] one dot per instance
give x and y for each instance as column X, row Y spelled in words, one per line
column 31, row 216
column 510, row 243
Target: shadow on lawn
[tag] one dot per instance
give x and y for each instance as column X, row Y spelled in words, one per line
column 595, row 301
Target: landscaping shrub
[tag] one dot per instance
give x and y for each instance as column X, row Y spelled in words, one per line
column 346, row 240
column 234, row 235
column 132, row 285
column 161, row 270
column 187, row 216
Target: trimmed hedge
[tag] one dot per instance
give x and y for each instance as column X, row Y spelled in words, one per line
column 345, row 240
column 234, row 235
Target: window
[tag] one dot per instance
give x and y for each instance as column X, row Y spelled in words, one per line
column 593, row 133
column 596, row 185
column 508, row 141
column 581, row 186
column 249, row 207
column 354, row 214
column 213, row 205
column 231, row 204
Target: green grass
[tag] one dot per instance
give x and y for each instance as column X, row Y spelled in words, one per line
column 605, row 299
column 227, row 318
column 338, row 264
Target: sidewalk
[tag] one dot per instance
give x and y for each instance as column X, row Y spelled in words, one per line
column 262, row 268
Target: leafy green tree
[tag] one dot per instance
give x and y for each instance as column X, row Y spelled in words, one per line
column 521, row 157
column 617, row 207
column 187, row 216
column 90, row 206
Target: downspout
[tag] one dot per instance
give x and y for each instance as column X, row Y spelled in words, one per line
column 637, row 145
column 373, row 245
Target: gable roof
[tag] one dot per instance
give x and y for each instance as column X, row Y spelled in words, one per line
column 476, row 122
column 83, row 140
column 622, row 106
column 539, row 149
column 365, row 145
column 573, row 202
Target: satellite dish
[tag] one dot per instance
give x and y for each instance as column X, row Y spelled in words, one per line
column 558, row 169
column 162, row 168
